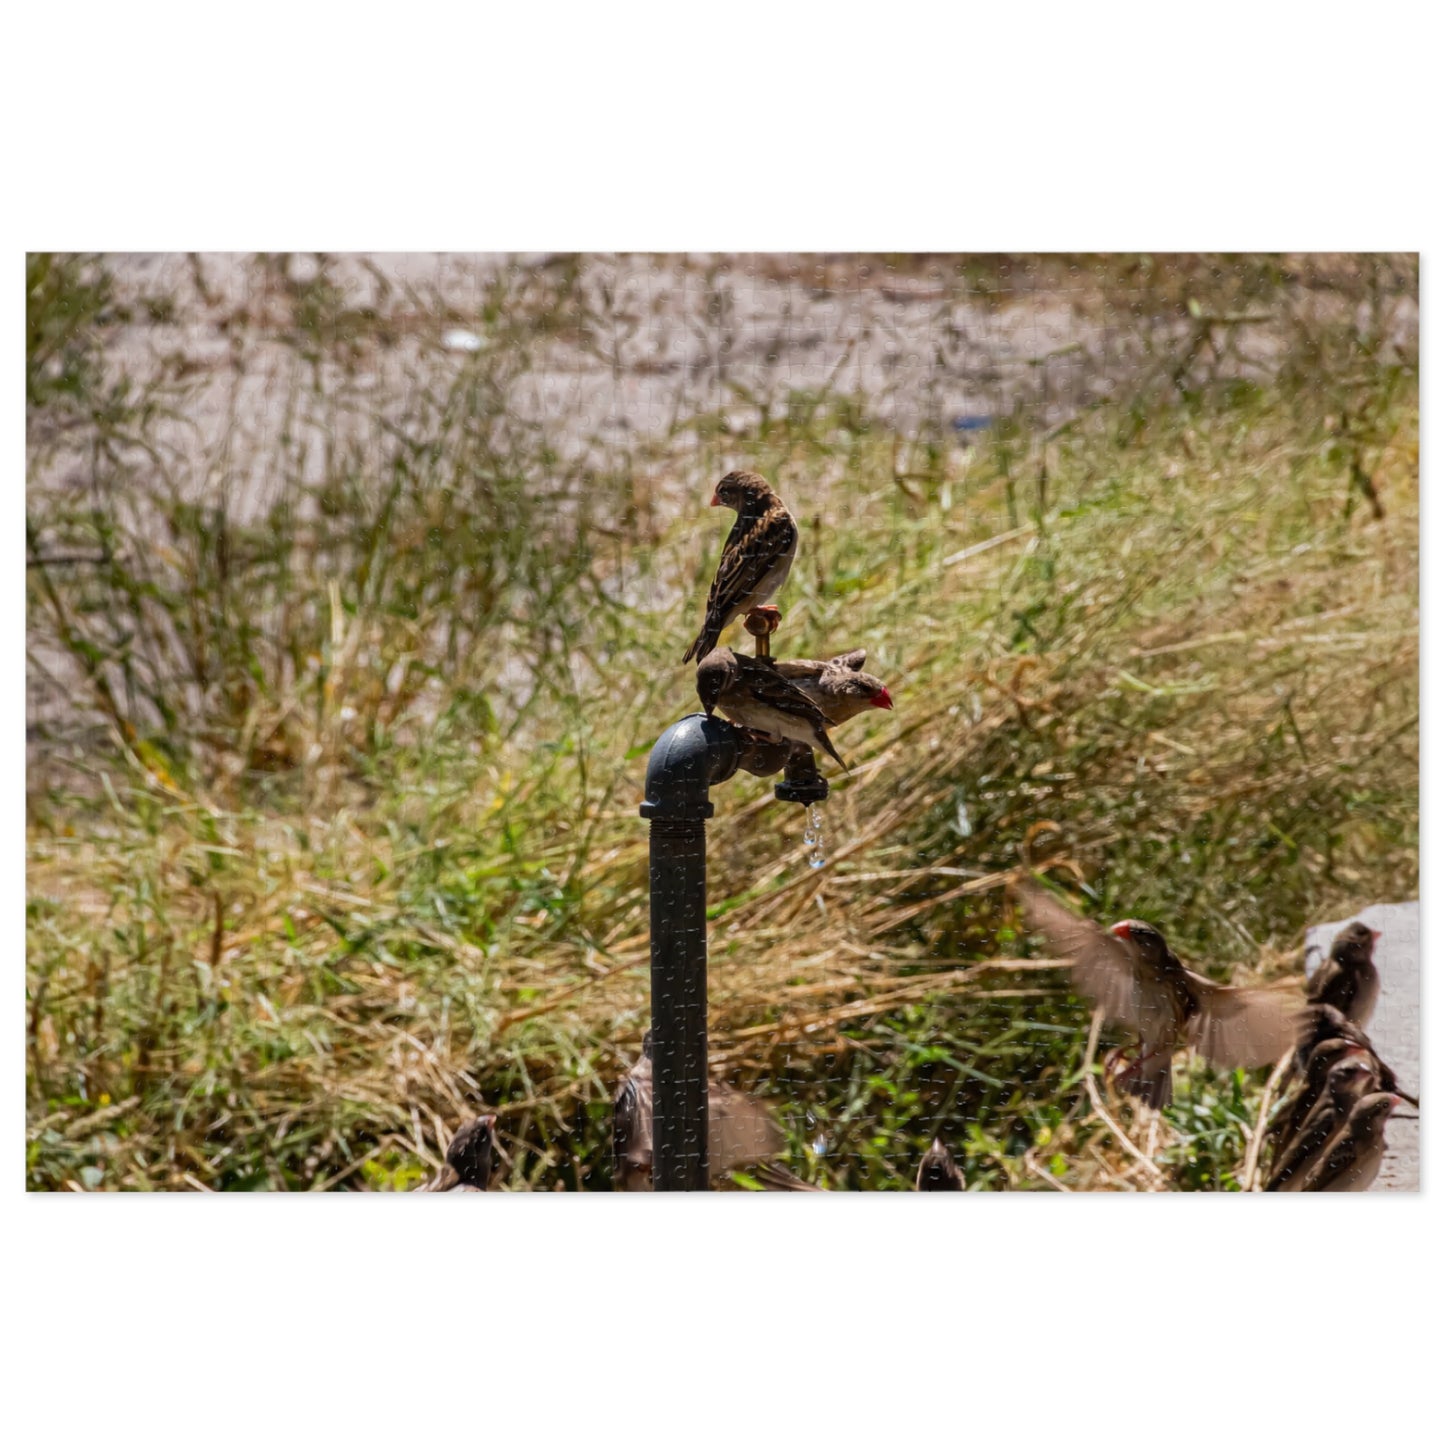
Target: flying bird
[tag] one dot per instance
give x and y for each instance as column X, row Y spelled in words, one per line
column 754, row 694
column 739, row 1129
column 474, row 1158
column 1349, row 1079
column 756, row 557
column 1348, row 979
column 937, row 1170
column 1132, row 974
column 839, row 687
column 1352, row 1161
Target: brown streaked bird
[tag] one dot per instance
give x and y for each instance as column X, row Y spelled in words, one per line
column 1352, row 1161
column 1283, row 1129
column 1323, row 1022
column 1130, row 972
column 839, row 687
column 1348, row 979
column 1350, row 1078
column 937, row 1170
column 474, row 1158
column 756, row 557
column 754, row 694
column 739, row 1129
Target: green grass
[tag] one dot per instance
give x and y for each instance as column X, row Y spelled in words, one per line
column 340, row 839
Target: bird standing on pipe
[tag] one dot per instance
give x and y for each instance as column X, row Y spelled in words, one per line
column 753, row 693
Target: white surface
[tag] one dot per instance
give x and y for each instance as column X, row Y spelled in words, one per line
column 1395, row 1028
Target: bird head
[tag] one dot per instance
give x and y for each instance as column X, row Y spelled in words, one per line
column 714, row 673
column 1144, row 936
column 1354, row 944
column 742, row 491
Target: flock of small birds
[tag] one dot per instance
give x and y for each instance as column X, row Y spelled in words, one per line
column 1329, row 1131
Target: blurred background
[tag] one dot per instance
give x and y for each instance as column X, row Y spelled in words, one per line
column 357, row 589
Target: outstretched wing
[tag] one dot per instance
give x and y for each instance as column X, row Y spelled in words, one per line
column 1245, row 1028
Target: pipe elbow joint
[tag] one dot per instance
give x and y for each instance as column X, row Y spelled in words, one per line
column 685, row 762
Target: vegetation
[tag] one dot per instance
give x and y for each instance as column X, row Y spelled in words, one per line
column 338, row 722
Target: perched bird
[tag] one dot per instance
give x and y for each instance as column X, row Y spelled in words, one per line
column 756, row 557
column 1348, row 979
column 474, row 1158
column 739, row 1129
column 839, row 687
column 1131, row 973
column 1350, row 1078
column 937, row 1169
column 1284, row 1128
column 1352, row 1160
column 1323, row 1022
column 754, row 694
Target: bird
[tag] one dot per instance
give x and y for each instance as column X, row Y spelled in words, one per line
column 754, row 694
column 1324, row 1021
column 1284, row 1128
column 1349, row 1079
column 839, row 687
column 1348, row 978
column 756, row 557
column 474, row 1158
column 739, row 1129
column 937, row 1170
column 1133, row 975
column 1352, row 1161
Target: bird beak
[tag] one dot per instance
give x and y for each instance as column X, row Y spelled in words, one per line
column 1120, row 930
column 714, row 502
column 881, row 698
column 1374, row 935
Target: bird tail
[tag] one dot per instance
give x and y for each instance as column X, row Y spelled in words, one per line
column 704, row 642
column 826, row 743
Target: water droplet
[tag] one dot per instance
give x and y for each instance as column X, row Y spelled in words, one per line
column 813, row 837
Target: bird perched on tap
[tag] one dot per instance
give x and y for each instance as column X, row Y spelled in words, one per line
column 756, row 558
column 839, row 687
column 753, row 693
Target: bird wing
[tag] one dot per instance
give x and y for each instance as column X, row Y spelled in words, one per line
column 771, row 689
column 739, row 1130
column 1245, row 1028
column 1104, row 968
column 1325, row 980
column 752, row 549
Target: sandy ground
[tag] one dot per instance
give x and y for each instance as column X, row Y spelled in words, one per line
column 1395, row 1028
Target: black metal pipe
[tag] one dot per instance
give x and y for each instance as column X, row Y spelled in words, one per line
column 685, row 762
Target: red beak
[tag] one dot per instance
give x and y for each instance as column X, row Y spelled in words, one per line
column 1120, row 930
column 881, row 698
column 714, row 502
column 1374, row 935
